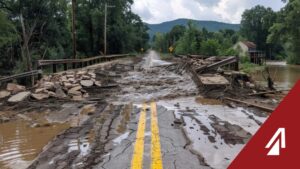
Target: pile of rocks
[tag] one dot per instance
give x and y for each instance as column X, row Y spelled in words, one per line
column 67, row 85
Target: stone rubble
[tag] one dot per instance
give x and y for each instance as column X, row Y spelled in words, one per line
column 4, row 94
column 67, row 85
column 19, row 97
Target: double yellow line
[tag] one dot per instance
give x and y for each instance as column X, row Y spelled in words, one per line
column 156, row 160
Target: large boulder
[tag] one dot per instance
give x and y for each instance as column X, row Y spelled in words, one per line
column 14, row 88
column 40, row 96
column 4, row 94
column 87, row 83
column 19, row 97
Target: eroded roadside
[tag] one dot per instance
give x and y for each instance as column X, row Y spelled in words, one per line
column 101, row 127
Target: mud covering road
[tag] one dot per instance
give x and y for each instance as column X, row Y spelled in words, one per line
column 147, row 116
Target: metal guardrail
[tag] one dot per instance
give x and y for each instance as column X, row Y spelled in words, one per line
column 21, row 75
column 78, row 63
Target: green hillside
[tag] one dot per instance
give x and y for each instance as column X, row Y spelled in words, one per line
column 209, row 25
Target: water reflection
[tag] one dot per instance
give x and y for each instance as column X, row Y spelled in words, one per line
column 285, row 76
column 20, row 144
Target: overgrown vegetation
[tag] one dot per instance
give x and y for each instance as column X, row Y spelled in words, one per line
column 36, row 29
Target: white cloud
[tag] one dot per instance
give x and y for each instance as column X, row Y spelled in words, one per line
column 156, row 11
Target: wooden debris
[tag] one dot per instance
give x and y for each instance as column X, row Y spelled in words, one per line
column 268, row 92
column 251, row 104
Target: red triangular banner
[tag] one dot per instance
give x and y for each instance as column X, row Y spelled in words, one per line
column 276, row 145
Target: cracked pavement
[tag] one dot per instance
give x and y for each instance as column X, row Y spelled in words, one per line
column 191, row 135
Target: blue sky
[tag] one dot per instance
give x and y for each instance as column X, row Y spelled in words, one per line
column 157, row 11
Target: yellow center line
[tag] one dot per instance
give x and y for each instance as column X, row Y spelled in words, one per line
column 155, row 140
column 137, row 160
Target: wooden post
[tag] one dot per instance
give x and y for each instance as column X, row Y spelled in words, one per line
column 65, row 66
column 54, row 68
column 236, row 68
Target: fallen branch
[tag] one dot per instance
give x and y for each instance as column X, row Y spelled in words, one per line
column 268, row 92
column 250, row 104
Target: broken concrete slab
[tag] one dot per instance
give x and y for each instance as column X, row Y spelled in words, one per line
column 76, row 88
column 48, row 85
column 74, row 93
column 81, row 72
column 68, row 85
column 60, row 93
column 51, row 94
column 98, row 83
column 15, row 88
column 39, row 90
column 87, row 83
column 19, row 97
column 213, row 80
column 84, row 77
column 40, row 96
column 4, row 94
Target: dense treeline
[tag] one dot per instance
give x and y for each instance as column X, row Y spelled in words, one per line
column 36, row 29
column 275, row 33
column 192, row 40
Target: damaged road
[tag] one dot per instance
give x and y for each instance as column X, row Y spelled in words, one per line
column 132, row 113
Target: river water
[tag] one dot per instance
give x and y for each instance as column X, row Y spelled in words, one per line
column 20, row 143
column 285, row 76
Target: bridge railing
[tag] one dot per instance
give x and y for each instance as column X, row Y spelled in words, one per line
column 31, row 74
column 77, row 63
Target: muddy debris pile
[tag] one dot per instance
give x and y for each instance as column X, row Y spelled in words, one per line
column 216, row 77
column 67, row 85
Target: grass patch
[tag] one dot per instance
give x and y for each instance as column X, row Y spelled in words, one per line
column 248, row 67
column 166, row 56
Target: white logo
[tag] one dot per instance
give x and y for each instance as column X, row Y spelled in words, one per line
column 277, row 142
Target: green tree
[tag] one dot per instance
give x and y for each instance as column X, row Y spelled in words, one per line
column 8, row 36
column 210, row 47
column 7, row 30
column 190, row 42
column 286, row 30
column 255, row 26
column 42, row 28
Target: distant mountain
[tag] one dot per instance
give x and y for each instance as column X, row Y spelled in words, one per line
column 212, row 26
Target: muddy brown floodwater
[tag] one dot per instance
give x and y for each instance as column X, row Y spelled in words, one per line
column 20, row 143
column 285, row 76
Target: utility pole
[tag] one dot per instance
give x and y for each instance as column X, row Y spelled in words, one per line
column 105, row 27
column 74, row 28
